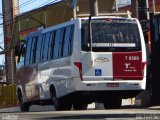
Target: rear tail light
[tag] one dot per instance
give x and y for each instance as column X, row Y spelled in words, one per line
column 79, row 66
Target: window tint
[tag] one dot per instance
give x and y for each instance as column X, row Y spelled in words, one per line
column 56, row 47
column 22, row 53
column 61, row 42
column 45, row 46
column 68, row 41
column 42, row 46
column 33, row 49
column 51, row 45
column 38, row 51
column 111, row 35
column 70, row 45
column 29, row 45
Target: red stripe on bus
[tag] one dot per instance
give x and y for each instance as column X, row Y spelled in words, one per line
column 128, row 66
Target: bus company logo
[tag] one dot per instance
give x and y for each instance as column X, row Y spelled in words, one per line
column 101, row 60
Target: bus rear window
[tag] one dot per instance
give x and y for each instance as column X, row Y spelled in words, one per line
column 111, row 35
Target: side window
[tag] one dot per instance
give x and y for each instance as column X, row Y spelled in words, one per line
column 28, row 51
column 56, row 46
column 22, row 53
column 51, row 45
column 38, row 51
column 45, row 47
column 70, row 44
column 42, row 46
column 61, row 42
column 67, row 42
column 33, row 49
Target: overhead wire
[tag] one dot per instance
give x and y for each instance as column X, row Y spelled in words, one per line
column 48, row 2
column 23, row 5
column 44, row 4
column 20, row 6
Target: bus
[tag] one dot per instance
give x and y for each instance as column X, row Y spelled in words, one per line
column 93, row 59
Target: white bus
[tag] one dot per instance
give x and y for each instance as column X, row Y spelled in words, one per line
column 85, row 60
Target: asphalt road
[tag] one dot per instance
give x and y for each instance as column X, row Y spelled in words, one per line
column 119, row 114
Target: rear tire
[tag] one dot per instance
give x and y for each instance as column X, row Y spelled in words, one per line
column 80, row 106
column 24, row 106
column 113, row 103
column 60, row 103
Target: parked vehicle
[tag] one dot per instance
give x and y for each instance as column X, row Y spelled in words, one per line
column 97, row 59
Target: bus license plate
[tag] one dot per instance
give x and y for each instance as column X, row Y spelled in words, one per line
column 112, row 85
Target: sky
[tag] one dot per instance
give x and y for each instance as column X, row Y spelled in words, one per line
column 27, row 5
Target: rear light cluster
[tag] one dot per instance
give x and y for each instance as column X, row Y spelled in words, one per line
column 79, row 66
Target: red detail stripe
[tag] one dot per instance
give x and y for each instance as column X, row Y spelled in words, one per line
column 79, row 66
column 128, row 66
column 128, row 78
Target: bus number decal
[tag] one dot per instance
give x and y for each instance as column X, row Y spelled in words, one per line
column 132, row 58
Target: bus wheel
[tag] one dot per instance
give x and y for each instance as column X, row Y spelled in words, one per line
column 54, row 99
column 66, row 103
column 59, row 103
column 24, row 106
column 113, row 103
column 80, row 106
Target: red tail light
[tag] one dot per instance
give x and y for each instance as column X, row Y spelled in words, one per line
column 79, row 66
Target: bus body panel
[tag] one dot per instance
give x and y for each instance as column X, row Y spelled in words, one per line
column 84, row 70
column 128, row 66
column 61, row 75
column 123, row 70
column 97, row 66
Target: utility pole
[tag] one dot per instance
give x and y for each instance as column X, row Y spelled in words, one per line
column 93, row 5
column 10, row 9
column 153, row 4
column 143, row 16
column 134, row 5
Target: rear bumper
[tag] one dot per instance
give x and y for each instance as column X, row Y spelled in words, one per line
column 111, row 85
column 101, row 96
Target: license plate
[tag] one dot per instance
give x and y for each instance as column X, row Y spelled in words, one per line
column 112, row 85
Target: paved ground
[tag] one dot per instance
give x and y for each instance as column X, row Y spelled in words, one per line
column 95, row 111
column 33, row 108
column 119, row 114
